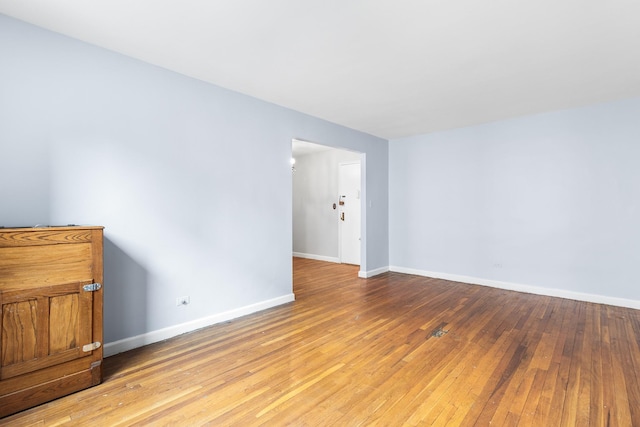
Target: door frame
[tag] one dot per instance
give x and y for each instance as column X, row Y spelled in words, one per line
column 364, row 203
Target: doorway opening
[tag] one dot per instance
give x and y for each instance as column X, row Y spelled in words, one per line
column 328, row 199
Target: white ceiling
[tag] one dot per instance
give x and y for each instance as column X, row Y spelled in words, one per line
column 388, row 68
column 302, row 148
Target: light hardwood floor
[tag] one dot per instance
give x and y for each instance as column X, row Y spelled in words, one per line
column 391, row 350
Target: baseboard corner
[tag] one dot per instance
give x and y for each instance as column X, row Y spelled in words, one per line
column 370, row 273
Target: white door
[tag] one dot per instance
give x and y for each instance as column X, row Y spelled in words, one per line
column 349, row 212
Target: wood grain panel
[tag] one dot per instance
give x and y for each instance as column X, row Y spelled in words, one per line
column 391, row 350
column 30, row 237
column 64, row 323
column 23, row 267
column 15, row 384
column 19, row 337
column 75, row 381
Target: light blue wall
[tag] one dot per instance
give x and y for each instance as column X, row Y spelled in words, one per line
column 192, row 182
column 551, row 201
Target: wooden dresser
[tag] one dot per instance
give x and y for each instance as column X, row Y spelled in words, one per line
column 50, row 313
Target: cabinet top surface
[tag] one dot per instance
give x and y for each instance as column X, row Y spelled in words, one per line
column 51, row 228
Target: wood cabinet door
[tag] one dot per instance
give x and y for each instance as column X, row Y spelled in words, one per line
column 42, row 327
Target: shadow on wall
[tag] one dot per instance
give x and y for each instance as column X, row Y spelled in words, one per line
column 125, row 294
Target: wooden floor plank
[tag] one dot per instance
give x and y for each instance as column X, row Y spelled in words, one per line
column 394, row 349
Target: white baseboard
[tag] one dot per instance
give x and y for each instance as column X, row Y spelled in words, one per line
column 316, row 257
column 551, row 292
column 162, row 334
column 371, row 273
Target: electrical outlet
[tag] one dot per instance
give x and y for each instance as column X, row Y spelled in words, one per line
column 182, row 300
